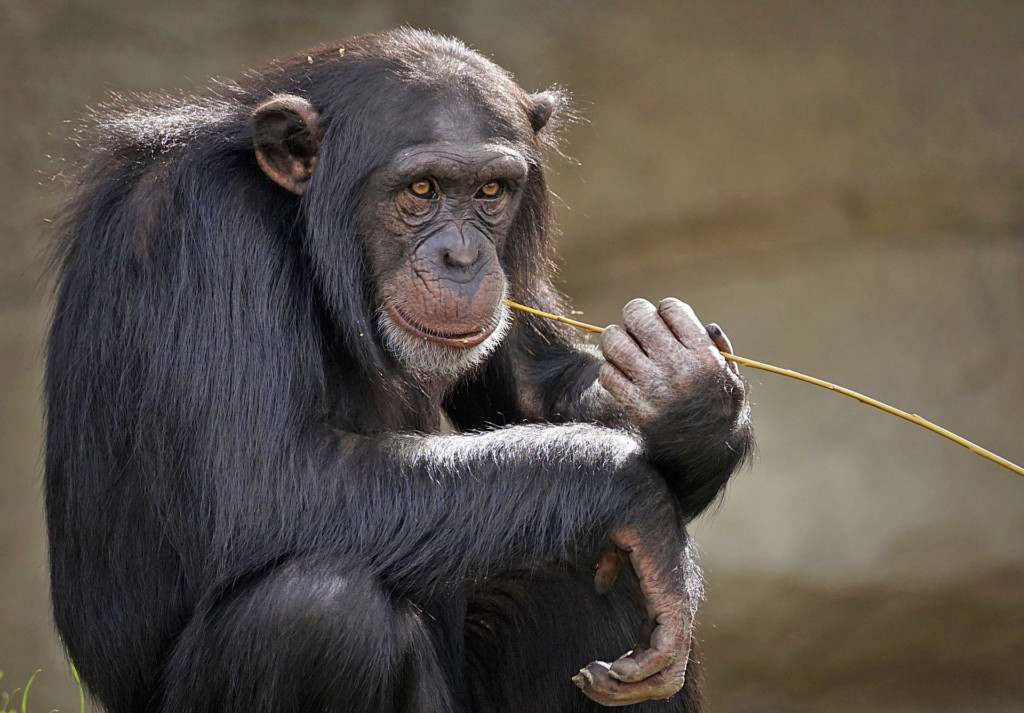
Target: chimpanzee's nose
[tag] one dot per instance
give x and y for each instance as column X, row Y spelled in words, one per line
column 461, row 255
column 458, row 248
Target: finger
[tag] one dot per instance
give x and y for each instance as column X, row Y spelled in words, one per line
column 642, row 644
column 599, row 686
column 668, row 607
column 722, row 342
column 607, row 571
column 656, row 667
column 683, row 322
column 617, row 384
column 669, row 641
column 643, row 322
column 623, row 352
column 718, row 337
column 637, row 407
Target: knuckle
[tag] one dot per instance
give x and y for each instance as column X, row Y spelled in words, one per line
column 611, row 334
column 672, row 303
column 638, row 303
column 677, row 308
column 612, row 342
column 637, row 309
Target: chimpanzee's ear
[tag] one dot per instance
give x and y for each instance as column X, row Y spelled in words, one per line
column 286, row 135
column 541, row 106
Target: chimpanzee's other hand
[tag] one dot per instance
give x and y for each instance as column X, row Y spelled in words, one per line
column 656, row 666
column 661, row 357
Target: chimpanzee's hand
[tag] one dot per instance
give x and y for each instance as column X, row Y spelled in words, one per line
column 656, row 667
column 661, row 356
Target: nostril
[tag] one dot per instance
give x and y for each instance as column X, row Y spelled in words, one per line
column 463, row 257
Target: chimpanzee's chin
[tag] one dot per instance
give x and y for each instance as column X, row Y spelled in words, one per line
column 435, row 358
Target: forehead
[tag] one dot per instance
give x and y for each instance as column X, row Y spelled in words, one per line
column 457, row 136
column 462, row 97
column 461, row 117
column 452, row 117
column 467, row 122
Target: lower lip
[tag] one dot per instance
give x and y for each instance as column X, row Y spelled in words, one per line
column 470, row 339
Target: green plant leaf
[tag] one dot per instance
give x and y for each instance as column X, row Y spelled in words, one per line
column 24, row 695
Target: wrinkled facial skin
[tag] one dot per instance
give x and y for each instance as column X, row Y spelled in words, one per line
column 437, row 219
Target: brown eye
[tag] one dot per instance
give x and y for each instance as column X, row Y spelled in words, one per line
column 490, row 190
column 423, row 189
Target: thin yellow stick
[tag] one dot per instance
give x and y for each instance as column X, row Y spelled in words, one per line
column 555, row 317
column 912, row 417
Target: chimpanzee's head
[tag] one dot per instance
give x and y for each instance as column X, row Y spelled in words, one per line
column 454, row 179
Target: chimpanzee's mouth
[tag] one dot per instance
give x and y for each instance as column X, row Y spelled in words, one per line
column 452, row 339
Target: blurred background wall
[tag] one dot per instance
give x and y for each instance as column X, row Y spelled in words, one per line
column 839, row 184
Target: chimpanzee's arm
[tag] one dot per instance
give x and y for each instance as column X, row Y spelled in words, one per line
column 423, row 511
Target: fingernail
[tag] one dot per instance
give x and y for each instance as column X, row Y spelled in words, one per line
column 583, row 679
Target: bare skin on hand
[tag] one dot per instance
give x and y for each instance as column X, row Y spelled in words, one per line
column 656, row 667
column 657, row 356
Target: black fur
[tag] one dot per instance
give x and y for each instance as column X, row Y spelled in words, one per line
column 250, row 507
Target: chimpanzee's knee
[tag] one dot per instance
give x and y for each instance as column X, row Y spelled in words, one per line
column 307, row 635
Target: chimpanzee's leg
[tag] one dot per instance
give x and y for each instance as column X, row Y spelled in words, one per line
column 527, row 636
column 308, row 636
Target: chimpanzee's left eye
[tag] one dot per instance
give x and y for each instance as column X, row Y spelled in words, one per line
column 423, row 188
column 490, row 191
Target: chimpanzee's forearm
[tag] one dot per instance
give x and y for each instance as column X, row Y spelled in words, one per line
column 423, row 511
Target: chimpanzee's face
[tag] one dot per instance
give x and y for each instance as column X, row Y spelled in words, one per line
column 439, row 217
column 434, row 220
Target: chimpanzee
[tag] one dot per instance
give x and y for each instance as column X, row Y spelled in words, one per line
column 300, row 456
